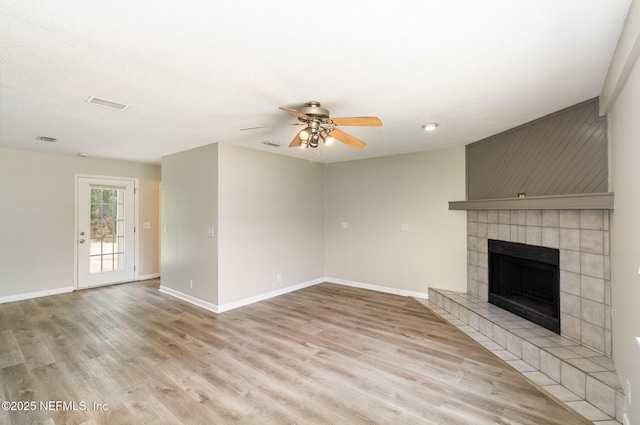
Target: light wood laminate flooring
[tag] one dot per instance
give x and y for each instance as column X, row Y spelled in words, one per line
column 327, row 354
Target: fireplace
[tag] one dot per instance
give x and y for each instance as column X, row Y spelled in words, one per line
column 525, row 280
column 582, row 236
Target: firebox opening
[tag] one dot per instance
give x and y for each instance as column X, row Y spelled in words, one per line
column 524, row 279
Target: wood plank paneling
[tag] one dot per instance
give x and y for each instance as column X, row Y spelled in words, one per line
column 560, row 154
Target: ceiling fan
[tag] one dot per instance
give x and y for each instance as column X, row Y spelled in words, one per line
column 319, row 126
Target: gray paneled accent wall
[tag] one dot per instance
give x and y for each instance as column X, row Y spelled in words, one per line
column 562, row 153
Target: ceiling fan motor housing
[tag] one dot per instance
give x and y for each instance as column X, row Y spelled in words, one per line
column 313, row 108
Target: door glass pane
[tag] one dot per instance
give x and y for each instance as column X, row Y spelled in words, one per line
column 107, row 229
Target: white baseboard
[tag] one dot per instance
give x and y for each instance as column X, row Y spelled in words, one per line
column 236, row 304
column 240, row 303
column 267, row 295
column 57, row 291
column 190, row 299
column 386, row 289
column 30, row 295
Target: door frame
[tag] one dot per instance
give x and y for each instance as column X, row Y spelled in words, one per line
column 76, row 230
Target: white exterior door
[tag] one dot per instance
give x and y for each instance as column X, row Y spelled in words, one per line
column 105, row 231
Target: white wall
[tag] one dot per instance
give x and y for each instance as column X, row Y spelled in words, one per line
column 189, row 208
column 375, row 197
column 36, row 216
column 276, row 215
column 270, row 220
column 620, row 99
column 624, row 141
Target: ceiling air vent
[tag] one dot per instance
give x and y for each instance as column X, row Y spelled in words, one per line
column 107, row 103
column 47, row 139
column 269, row 143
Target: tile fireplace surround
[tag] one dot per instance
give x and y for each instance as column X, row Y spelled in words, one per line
column 575, row 368
column 582, row 236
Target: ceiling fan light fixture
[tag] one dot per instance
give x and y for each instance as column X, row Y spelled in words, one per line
column 430, row 127
column 326, row 137
column 304, row 134
column 313, row 140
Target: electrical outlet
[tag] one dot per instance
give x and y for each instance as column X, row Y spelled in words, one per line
column 164, row 228
column 211, row 232
column 345, row 225
column 404, row 227
column 146, row 225
column 279, row 277
column 191, row 283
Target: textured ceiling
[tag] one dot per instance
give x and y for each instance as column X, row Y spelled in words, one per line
column 196, row 72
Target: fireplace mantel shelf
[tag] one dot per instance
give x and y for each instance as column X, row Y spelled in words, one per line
column 583, row 201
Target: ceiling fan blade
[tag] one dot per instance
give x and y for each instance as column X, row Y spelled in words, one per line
column 296, row 141
column 294, row 112
column 356, row 121
column 348, row 140
column 270, row 126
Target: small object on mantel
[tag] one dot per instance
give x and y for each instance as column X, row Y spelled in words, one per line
column 522, row 194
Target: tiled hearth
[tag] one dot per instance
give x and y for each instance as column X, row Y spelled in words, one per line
column 576, row 366
column 579, row 376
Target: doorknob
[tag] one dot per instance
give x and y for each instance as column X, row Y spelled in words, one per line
column 81, row 233
column 81, row 241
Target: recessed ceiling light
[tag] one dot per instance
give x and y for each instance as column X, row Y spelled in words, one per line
column 47, row 139
column 430, row 127
column 107, row 103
